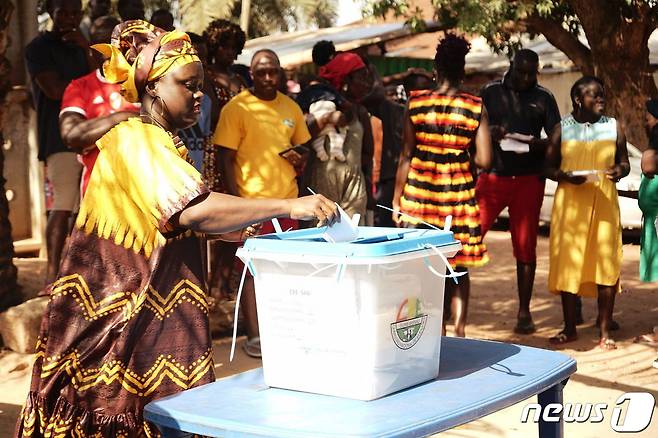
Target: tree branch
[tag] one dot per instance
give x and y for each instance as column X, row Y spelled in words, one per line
column 563, row 40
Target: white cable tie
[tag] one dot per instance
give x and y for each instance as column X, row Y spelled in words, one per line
column 277, row 225
column 408, row 215
column 452, row 272
column 237, row 307
column 317, row 271
column 448, row 223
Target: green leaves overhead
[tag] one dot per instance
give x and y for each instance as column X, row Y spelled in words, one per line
column 267, row 16
column 502, row 22
column 195, row 15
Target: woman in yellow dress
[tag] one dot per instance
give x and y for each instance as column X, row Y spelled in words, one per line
column 585, row 241
column 127, row 320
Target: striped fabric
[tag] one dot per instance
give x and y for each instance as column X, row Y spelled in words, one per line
column 440, row 182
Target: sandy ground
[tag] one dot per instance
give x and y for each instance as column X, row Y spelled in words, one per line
column 601, row 378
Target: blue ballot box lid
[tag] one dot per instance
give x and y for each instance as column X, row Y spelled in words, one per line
column 372, row 242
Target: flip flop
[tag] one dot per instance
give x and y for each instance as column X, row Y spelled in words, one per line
column 563, row 338
column 607, row 344
column 524, row 326
column 650, row 340
column 655, row 364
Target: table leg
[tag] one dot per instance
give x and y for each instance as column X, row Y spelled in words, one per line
column 551, row 395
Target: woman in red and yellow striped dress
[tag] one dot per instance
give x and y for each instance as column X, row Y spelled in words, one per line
column 445, row 134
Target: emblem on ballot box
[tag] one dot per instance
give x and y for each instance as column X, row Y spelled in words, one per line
column 409, row 324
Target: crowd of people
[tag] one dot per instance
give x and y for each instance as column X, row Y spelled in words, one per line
column 157, row 144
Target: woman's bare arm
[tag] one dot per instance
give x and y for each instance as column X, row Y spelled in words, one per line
column 218, row 213
column 483, row 149
column 408, row 146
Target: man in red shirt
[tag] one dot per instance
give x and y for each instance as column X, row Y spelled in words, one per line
column 91, row 106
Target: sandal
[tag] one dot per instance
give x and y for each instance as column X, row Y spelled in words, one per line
column 655, row 364
column 607, row 344
column 524, row 326
column 252, row 347
column 650, row 340
column 563, row 338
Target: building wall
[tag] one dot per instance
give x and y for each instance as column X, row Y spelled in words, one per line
column 560, row 85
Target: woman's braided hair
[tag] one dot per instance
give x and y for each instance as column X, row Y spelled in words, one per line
column 221, row 33
column 450, row 57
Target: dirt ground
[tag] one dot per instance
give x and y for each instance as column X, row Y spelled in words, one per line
column 601, row 378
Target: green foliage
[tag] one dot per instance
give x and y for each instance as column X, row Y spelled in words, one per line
column 195, row 15
column 266, row 17
column 498, row 20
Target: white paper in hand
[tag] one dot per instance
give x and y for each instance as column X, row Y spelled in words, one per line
column 590, row 175
column 524, row 138
column 512, row 145
column 344, row 230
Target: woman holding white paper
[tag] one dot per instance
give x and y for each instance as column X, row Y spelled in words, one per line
column 585, row 241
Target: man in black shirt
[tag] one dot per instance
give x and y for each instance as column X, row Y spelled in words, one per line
column 519, row 109
column 391, row 115
column 54, row 59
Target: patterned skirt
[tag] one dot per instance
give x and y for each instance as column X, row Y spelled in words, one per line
column 120, row 331
column 440, row 184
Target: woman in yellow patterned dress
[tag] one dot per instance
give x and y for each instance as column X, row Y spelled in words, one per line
column 585, row 241
column 445, row 133
column 127, row 318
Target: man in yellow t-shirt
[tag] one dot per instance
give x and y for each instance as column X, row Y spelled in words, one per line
column 254, row 128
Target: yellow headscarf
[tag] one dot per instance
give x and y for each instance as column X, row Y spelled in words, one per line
column 140, row 52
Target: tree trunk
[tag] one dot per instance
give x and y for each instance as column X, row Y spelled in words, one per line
column 627, row 89
column 9, row 293
column 619, row 44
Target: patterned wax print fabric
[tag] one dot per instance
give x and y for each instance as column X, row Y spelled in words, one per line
column 127, row 318
column 440, row 181
column 585, row 241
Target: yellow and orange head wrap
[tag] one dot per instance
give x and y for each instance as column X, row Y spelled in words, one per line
column 140, row 53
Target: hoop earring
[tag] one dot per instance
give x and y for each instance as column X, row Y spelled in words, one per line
column 162, row 106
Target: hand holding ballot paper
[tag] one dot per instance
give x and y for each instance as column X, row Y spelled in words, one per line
column 515, row 142
column 578, row 177
column 590, row 175
column 346, row 229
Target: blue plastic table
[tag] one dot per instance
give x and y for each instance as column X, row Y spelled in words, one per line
column 476, row 378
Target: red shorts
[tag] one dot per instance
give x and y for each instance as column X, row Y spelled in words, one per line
column 523, row 196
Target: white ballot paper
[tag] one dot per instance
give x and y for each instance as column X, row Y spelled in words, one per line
column 345, row 230
column 590, row 175
column 515, row 142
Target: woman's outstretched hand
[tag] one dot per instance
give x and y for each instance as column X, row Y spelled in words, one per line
column 314, row 207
